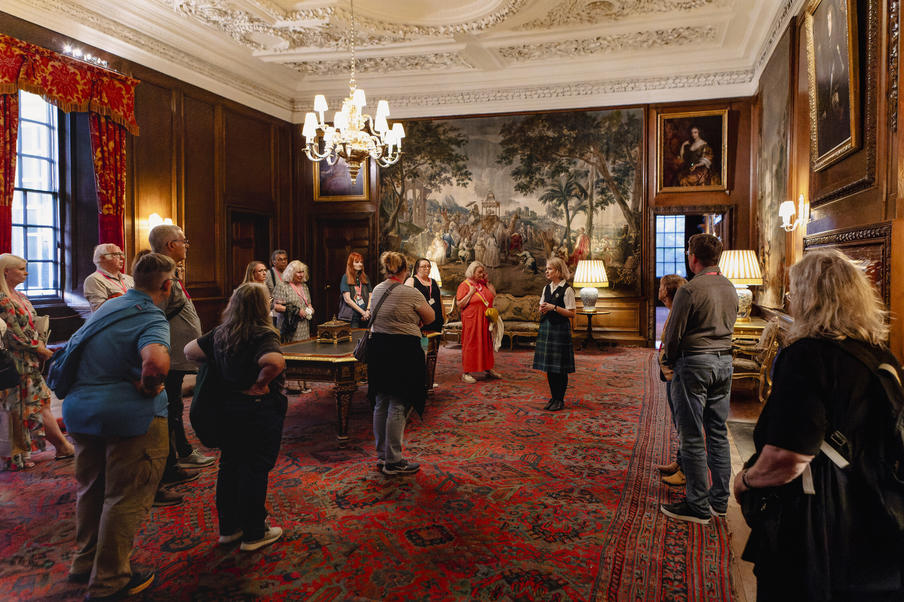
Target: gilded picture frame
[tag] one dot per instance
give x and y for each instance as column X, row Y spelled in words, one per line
column 833, row 80
column 332, row 182
column 692, row 151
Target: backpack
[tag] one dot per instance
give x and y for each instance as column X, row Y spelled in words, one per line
column 881, row 466
column 64, row 363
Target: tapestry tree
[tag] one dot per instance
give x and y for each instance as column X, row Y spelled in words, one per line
column 563, row 198
column 545, row 146
column 432, row 157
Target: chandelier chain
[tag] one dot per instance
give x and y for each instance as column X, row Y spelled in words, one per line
column 352, row 83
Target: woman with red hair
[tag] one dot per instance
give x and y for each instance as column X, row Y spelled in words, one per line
column 354, row 303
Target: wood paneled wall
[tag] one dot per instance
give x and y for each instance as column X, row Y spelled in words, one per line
column 856, row 202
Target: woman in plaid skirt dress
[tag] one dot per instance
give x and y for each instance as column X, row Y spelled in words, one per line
column 554, row 353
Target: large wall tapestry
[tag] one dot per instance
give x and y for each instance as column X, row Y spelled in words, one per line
column 512, row 191
column 773, row 169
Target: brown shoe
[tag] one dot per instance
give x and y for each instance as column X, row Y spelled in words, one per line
column 667, row 469
column 676, row 480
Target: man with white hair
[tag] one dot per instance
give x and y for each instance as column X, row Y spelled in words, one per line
column 108, row 281
column 185, row 326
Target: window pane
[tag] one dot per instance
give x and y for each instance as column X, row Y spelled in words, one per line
column 18, row 200
column 40, row 210
column 32, row 106
column 34, row 138
column 18, row 242
column 34, row 173
column 40, row 244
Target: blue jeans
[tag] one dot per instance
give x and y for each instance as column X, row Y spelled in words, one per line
column 389, row 425
column 700, row 392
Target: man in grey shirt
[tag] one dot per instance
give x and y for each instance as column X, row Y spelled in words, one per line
column 698, row 349
column 185, row 326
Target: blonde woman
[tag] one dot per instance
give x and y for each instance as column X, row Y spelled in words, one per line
column 554, row 352
column 292, row 294
column 29, row 404
column 292, row 303
column 834, row 544
column 474, row 296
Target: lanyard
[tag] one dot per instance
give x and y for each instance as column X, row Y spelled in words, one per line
column 117, row 281
column 182, row 286
column 300, row 293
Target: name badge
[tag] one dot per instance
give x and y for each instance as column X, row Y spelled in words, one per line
column 432, row 300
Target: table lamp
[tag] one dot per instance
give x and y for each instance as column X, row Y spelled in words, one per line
column 742, row 268
column 434, row 274
column 589, row 276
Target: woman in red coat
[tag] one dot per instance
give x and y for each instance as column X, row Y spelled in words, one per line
column 474, row 296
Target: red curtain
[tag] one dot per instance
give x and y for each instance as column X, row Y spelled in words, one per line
column 108, row 143
column 70, row 85
column 9, row 131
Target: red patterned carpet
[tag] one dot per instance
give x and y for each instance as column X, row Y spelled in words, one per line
column 512, row 503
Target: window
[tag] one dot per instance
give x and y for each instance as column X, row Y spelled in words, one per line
column 35, row 210
column 670, row 245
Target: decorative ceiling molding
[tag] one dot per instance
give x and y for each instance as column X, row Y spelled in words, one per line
column 485, row 97
column 387, row 64
column 782, row 18
column 153, row 46
column 591, row 12
column 442, row 55
column 623, row 42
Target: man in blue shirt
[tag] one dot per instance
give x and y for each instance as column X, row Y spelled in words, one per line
column 116, row 412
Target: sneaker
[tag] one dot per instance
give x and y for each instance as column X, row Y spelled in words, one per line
column 675, row 480
column 668, row 469
column 271, row 535
column 718, row 513
column 380, row 464
column 164, row 497
column 226, row 539
column 139, row 582
column 195, row 460
column 306, row 390
column 403, row 467
column 176, row 475
column 493, row 374
column 468, row 378
column 681, row 511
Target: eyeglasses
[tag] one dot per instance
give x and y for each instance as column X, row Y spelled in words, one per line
column 184, row 241
column 114, row 254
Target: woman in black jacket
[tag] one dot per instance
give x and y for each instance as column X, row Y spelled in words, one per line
column 394, row 383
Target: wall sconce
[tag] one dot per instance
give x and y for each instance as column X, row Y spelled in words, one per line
column 786, row 212
column 155, row 220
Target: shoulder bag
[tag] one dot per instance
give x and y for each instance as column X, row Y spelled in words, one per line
column 360, row 351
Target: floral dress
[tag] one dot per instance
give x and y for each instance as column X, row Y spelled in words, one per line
column 25, row 402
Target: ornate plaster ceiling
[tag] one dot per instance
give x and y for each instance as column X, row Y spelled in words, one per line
column 436, row 57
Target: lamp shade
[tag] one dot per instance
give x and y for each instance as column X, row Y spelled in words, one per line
column 741, row 267
column 434, row 274
column 592, row 273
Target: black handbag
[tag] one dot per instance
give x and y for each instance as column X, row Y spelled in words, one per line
column 205, row 410
column 9, row 374
column 360, row 351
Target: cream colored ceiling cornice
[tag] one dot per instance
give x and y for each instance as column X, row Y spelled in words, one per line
column 437, row 57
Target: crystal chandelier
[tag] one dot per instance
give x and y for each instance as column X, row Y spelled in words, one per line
column 354, row 135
